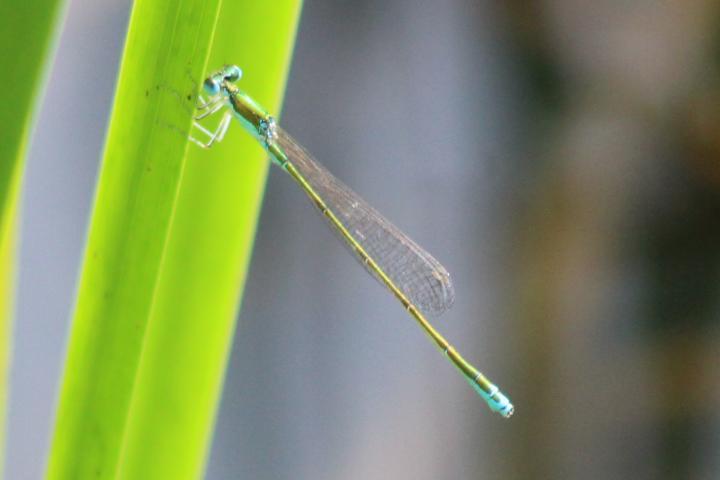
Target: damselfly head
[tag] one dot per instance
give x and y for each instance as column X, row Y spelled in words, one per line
column 229, row 73
column 232, row 73
column 212, row 85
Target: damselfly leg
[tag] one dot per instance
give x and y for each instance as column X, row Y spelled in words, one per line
column 213, row 136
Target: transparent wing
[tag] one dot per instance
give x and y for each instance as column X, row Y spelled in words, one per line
column 415, row 272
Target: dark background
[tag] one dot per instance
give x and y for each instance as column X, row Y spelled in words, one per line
column 561, row 158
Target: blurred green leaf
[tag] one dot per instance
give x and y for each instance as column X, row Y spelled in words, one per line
column 26, row 33
column 8, row 238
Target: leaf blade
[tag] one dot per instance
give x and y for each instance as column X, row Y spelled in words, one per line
column 167, row 45
column 213, row 229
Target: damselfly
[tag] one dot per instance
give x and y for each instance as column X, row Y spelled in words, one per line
column 418, row 281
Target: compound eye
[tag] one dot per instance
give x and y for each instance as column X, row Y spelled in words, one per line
column 233, row 73
column 211, row 86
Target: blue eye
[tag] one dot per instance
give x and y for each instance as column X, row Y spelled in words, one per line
column 211, row 86
column 233, row 73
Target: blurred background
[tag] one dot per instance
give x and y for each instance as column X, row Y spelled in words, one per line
column 560, row 157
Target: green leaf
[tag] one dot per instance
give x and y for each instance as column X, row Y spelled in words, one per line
column 206, row 259
column 8, row 237
column 26, row 31
column 169, row 246
column 166, row 47
column 26, row 34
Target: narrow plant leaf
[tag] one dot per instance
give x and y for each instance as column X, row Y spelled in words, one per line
column 8, row 239
column 187, row 342
column 166, row 47
column 26, row 32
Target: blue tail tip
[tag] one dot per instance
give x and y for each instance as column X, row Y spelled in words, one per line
column 495, row 399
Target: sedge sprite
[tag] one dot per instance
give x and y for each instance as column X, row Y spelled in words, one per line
column 415, row 278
